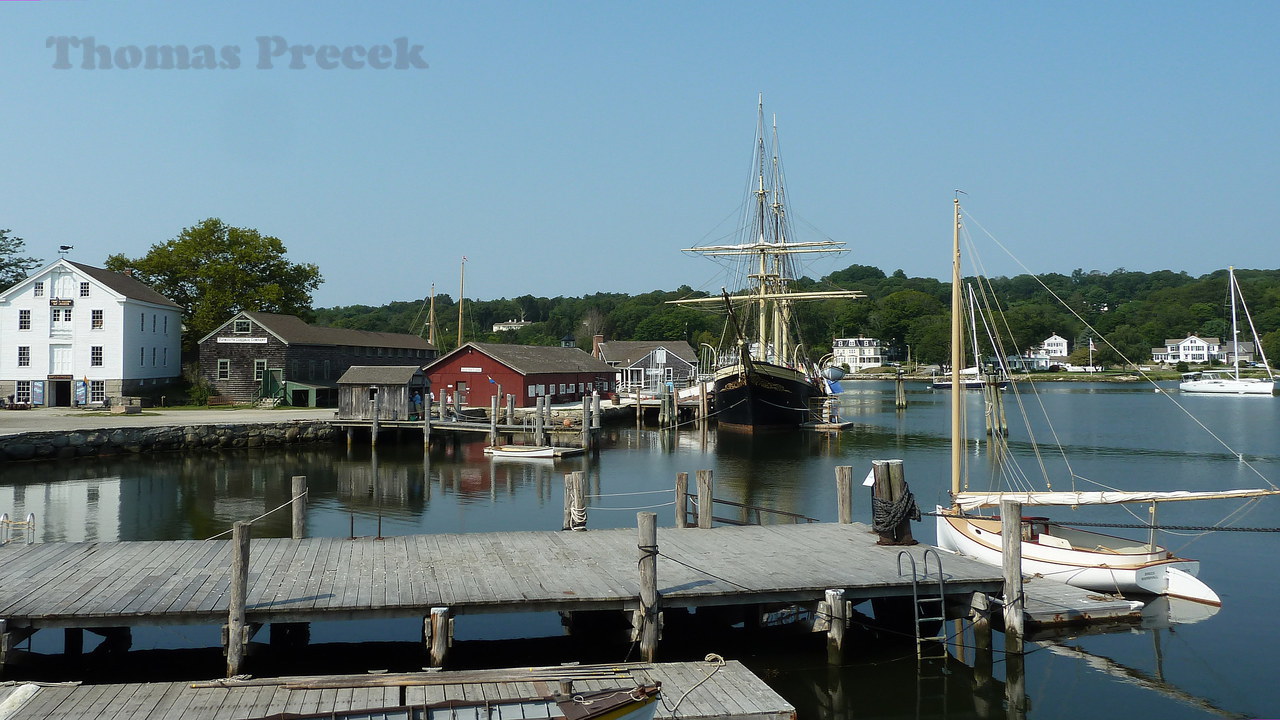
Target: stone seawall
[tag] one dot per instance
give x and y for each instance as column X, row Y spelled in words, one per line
column 119, row 441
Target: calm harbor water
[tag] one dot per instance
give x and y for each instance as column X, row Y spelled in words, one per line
column 1123, row 436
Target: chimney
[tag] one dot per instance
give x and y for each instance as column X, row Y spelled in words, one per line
column 595, row 345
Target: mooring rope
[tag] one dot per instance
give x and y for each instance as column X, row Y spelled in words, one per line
column 287, row 504
column 886, row 515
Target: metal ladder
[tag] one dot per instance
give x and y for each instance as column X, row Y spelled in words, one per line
column 927, row 609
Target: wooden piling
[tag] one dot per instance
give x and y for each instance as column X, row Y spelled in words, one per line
column 586, row 422
column 980, row 615
column 650, row 613
column 595, row 409
column 890, row 485
column 511, row 409
column 838, row 616
column 702, row 403
column 682, row 500
column 439, row 631
column 900, row 391
column 575, row 501
column 1011, row 556
column 426, row 419
column 377, row 413
column 237, row 629
column 705, row 487
column 299, row 524
column 844, row 493
column 493, row 420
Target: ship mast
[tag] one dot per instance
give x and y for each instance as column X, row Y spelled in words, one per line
column 957, row 357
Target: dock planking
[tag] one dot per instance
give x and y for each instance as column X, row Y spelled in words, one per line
column 714, row 693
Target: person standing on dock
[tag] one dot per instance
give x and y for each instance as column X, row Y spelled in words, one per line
column 417, row 404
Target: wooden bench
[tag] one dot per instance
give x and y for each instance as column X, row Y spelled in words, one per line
column 216, row 400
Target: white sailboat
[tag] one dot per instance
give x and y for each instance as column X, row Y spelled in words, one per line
column 1077, row 557
column 1229, row 382
column 974, row 379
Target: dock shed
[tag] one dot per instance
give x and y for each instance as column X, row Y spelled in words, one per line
column 477, row 370
column 388, row 388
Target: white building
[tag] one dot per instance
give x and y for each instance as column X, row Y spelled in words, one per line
column 71, row 334
column 858, row 353
column 1192, row 349
column 1055, row 346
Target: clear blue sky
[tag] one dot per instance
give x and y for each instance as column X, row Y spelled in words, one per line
column 574, row 147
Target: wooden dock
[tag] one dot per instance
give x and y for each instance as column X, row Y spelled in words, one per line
column 730, row 692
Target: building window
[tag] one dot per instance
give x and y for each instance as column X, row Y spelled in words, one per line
column 153, row 322
column 95, row 356
column 165, row 360
column 39, row 292
column 24, row 319
column 84, row 289
column 533, row 390
column 24, row 356
column 259, row 369
column 142, row 322
column 23, row 394
column 166, row 324
column 142, row 356
column 224, row 369
column 153, row 357
column 241, row 326
column 97, row 391
column 97, row 319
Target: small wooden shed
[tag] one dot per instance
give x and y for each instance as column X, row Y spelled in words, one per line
column 389, row 388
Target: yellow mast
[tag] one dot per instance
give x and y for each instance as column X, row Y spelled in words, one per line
column 431, row 318
column 957, row 358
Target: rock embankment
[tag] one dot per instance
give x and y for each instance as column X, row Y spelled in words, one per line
column 119, row 441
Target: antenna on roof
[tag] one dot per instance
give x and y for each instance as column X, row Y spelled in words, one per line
column 62, row 249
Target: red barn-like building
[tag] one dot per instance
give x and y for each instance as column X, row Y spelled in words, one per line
column 563, row 375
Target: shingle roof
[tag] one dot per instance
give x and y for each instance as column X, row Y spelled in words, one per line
column 294, row 331
column 378, row 374
column 124, row 284
column 531, row 359
column 626, row 352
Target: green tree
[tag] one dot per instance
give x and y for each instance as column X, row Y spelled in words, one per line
column 213, row 270
column 13, row 266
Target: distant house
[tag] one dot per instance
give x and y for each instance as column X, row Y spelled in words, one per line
column 858, row 353
column 265, row 356
column 510, row 325
column 1191, row 349
column 647, row 364
column 386, row 389
column 1055, row 347
column 73, row 334
column 477, row 370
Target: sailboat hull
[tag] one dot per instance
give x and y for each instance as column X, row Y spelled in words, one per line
column 762, row 397
column 1229, row 386
column 1077, row 557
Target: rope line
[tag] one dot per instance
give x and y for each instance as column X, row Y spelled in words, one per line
column 285, row 505
column 640, row 507
column 642, row 492
column 700, row 570
column 711, row 658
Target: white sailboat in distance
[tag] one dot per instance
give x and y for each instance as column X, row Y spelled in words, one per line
column 1229, row 382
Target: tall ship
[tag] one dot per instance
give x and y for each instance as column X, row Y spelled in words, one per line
column 763, row 376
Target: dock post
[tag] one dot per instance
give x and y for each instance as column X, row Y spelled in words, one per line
column 426, row 420
column 511, row 409
column 538, row 429
column 890, row 486
column 299, row 524
column 586, row 422
column 237, row 634
column 682, row 500
column 705, row 487
column 1011, row 554
column 377, row 410
column 493, row 420
column 351, row 436
column 844, row 492
column 980, row 614
column 438, row 628
column 900, row 391
column 575, row 505
column 702, row 403
column 650, row 611
column 595, row 409
column 839, row 620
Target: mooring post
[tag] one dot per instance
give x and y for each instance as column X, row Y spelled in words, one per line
column 586, row 422
column 538, row 430
column 575, row 501
column 1011, row 554
column 237, row 636
column 900, row 391
column 299, row 507
column 682, row 500
column 511, row 409
column 702, row 403
column 493, row 420
column 705, row 487
column 839, row 620
column 650, row 612
column 595, row 409
column 844, row 492
column 377, row 412
column 890, row 487
column 426, row 419
column 438, row 628
column 980, row 615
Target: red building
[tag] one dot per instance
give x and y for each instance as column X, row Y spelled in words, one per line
column 563, row 375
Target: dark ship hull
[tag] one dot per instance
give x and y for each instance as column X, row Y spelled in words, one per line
column 762, row 397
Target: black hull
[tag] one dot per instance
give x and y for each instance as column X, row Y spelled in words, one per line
column 765, row 398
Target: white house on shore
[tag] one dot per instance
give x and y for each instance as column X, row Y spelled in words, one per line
column 1191, row 349
column 72, row 334
column 858, row 353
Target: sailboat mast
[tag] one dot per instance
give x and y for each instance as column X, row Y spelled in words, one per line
column 777, row 279
column 762, row 218
column 957, row 357
column 431, row 318
column 462, row 282
column 1235, row 330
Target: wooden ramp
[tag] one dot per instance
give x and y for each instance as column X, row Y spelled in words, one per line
column 186, row 582
column 730, row 692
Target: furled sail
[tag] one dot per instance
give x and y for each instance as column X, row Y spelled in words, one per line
column 973, row 501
